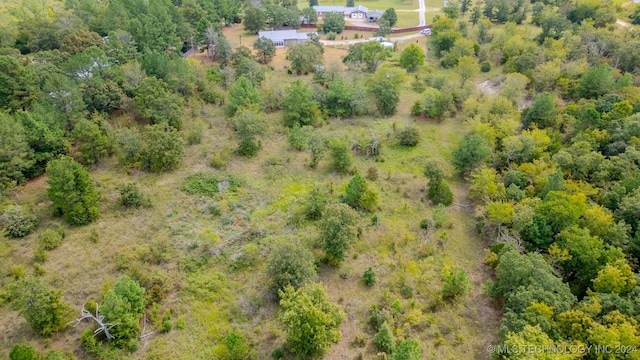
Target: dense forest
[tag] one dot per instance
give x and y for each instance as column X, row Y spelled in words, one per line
column 335, row 199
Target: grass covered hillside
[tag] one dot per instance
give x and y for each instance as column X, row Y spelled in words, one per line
column 469, row 194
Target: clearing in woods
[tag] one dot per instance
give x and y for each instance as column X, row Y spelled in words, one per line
column 235, row 231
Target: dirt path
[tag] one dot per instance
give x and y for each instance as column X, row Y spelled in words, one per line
column 421, row 17
column 355, row 41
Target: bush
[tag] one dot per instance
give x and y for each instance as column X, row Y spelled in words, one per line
column 315, row 203
column 290, row 264
column 416, row 108
column 331, row 35
column 162, row 148
column 340, row 156
column 377, row 317
column 49, row 239
column 359, row 196
column 425, row 224
column 409, row 136
column 19, row 223
column 439, row 216
column 298, row 137
column 485, row 66
column 23, row 352
column 440, row 193
column 132, row 197
column 369, row 277
column 384, row 339
column 372, row 174
column 40, row 306
column 455, row 284
column 194, row 135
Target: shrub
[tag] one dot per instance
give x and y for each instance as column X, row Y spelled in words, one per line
column 124, row 304
column 359, row 196
column 132, row 197
column 209, row 184
column 290, row 264
column 369, row 277
column 40, row 306
column 49, row 239
column 337, row 231
column 485, row 66
column 162, row 148
column 409, row 136
column 440, row 193
column 455, row 284
column 425, row 224
column 17, row 271
column 384, row 339
column 315, row 203
column 298, row 137
column 416, row 108
column 23, row 352
column 331, row 35
column 19, row 223
column 377, row 317
column 407, row 350
column 194, row 135
column 340, row 156
column 439, row 216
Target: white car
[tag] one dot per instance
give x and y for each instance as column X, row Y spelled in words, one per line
column 425, row 32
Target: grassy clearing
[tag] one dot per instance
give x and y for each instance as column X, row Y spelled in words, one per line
column 373, row 4
column 407, row 19
column 233, row 233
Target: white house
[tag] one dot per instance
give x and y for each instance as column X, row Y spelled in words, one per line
column 356, row 12
column 282, row 38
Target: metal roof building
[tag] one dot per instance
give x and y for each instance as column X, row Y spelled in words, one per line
column 282, row 38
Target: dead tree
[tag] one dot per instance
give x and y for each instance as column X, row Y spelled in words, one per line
column 102, row 326
column 373, row 145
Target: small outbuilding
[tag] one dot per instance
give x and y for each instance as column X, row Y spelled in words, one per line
column 282, row 38
column 374, row 15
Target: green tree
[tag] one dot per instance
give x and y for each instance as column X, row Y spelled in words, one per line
column 314, row 203
column 452, row 10
column 351, row 3
column 596, row 81
column 249, row 125
column 265, row 48
column 615, row 278
column 337, row 231
column 124, row 305
column 40, row 306
column 338, row 99
column 310, row 15
column 467, row 68
column 359, row 196
column 310, row 320
column 235, row 347
column 298, row 105
column 472, row 152
column 440, row 193
column 254, row 19
column 543, row 111
column 290, row 264
column 162, row 148
column 341, row 159
column 93, row 143
column 304, row 57
column 23, row 352
column 391, row 16
column 333, row 22
column 16, row 157
column 369, row 277
column 18, row 85
column 384, row 27
column 387, row 95
column 44, row 136
column 157, row 104
column 317, row 146
column 72, row 191
column 412, row 57
column 243, row 94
